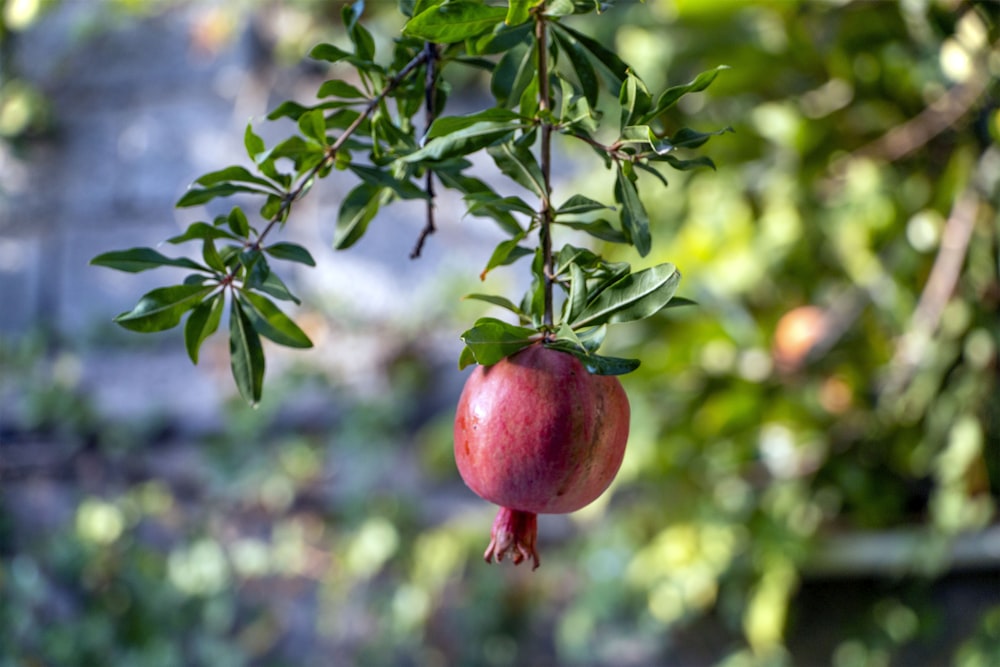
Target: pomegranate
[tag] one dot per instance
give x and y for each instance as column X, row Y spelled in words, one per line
column 536, row 433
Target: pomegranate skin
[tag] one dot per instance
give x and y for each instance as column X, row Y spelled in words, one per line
column 537, row 433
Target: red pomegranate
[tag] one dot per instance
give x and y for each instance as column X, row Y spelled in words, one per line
column 536, row 433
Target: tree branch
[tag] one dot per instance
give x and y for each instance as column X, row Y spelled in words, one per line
column 430, row 93
column 330, row 154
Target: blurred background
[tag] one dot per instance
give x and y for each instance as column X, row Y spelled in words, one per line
column 814, row 466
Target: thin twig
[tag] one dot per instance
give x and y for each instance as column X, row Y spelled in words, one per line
column 941, row 282
column 330, row 154
column 430, row 108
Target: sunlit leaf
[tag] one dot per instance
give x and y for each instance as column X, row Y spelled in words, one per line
column 519, row 11
column 490, row 340
column 634, row 297
column 454, row 21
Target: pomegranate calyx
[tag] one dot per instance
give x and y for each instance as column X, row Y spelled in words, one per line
column 515, row 533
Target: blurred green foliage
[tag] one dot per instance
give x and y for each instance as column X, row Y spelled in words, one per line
column 815, row 448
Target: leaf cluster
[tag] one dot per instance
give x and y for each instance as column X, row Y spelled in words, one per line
column 546, row 78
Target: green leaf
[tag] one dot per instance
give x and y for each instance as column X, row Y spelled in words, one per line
column 577, row 300
column 162, row 308
column 685, row 165
column 519, row 11
column 271, row 322
column 464, row 141
column 503, row 302
column 581, row 65
column 519, row 164
column 196, row 196
column 212, row 257
column 246, row 355
column 466, row 358
column 634, row 99
column 688, row 138
column 506, row 252
column 512, row 75
column 292, row 252
column 329, row 53
column 135, row 260
column 202, row 323
column 380, row 177
column 450, row 124
column 253, row 143
column 634, row 219
column 595, row 363
column 493, row 202
column 356, row 211
column 503, row 38
column 580, row 204
column 341, row 89
column 670, row 96
column 606, row 62
column 491, row 339
column 313, row 125
column 599, row 229
column 643, row 135
column 273, row 285
column 238, row 222
column 454, row 21
column 235, row 174
column 202, row 231
column 633, row 297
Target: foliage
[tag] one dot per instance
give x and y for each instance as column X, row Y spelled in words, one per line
column 549, row 79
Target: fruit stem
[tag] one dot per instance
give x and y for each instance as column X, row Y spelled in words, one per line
column 514, row 532
column 545, row 210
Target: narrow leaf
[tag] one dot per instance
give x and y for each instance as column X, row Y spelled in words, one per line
column 579, row 204
column 233, row 174
column 201, row 231
column 202, row 323
column 246, row 355
column 519, row 164
column 634, row 219
column 670, row 96
column 196, row 196
column 135, row 260
column 292, row 252
column 606, row 62
column 462, row 142
column 356, row 211
column 162, row 308
column 503, row 302
column 634, row 297
column 491, row 339
column 599, row 229
column 271, row 322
